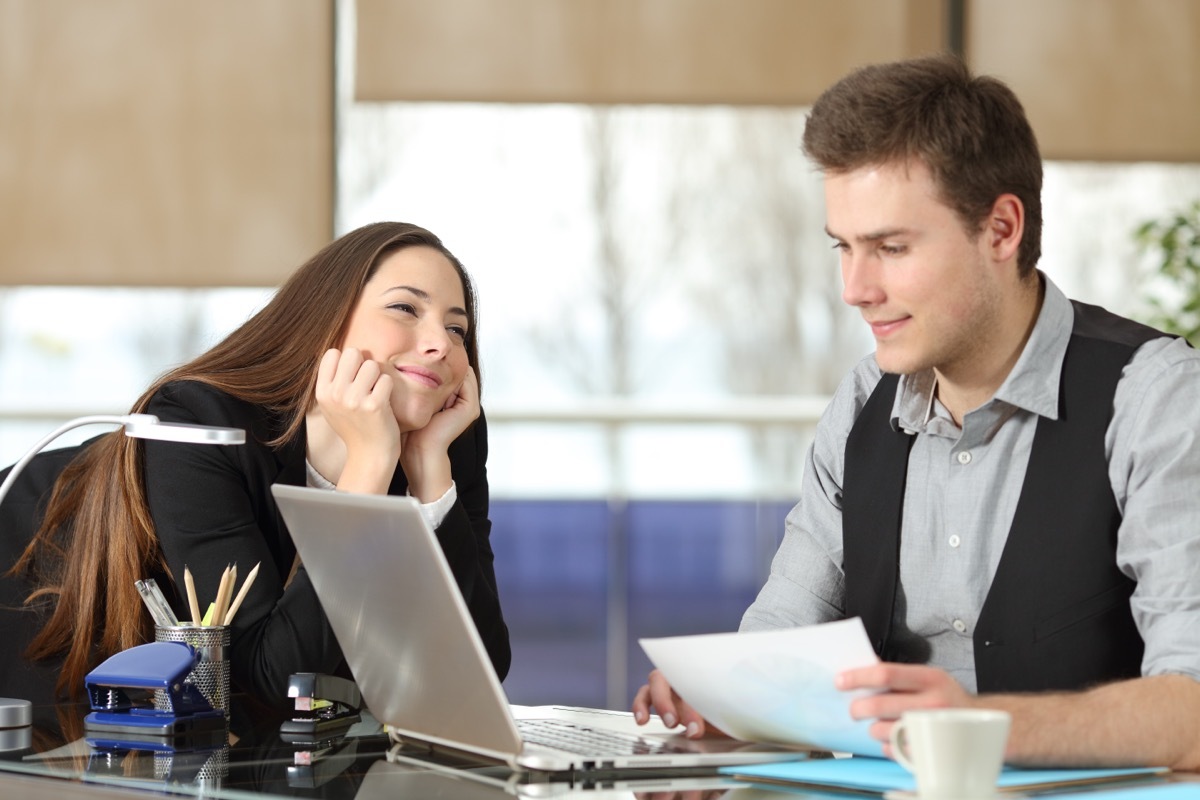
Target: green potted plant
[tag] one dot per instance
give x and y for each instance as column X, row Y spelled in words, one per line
column 1173, row 294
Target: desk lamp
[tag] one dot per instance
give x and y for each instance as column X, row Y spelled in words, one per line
column 139, row 426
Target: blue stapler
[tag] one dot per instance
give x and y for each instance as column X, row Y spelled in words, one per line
column 140, row 692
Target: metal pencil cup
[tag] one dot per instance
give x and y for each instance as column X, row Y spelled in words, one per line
column 211, row 673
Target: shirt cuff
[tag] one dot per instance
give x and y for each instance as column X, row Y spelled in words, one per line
column 436, row 511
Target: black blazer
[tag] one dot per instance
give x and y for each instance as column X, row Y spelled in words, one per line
column 212, row 506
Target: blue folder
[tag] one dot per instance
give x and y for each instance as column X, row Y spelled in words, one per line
column 862, row 773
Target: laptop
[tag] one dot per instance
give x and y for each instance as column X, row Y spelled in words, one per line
column 421, row 667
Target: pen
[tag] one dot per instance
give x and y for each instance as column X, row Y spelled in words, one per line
column 241, row 595
column 193, row 603
column 159, row 598
column 161, row 617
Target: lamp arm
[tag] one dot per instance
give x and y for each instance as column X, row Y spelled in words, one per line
column 112, row 419
column 138, row 426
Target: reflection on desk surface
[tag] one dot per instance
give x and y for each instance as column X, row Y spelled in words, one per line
column 249, row 758
column 387, row 779
column 253, row 760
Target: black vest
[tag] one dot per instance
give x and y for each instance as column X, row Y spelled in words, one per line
column 1057, row 613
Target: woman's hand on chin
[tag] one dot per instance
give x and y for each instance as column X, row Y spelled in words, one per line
column 354, row 397
column 424, row 455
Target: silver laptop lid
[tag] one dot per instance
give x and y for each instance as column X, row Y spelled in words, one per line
column 400, row 620
column 419, row 662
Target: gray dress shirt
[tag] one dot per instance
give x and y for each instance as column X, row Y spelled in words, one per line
column 962, row 491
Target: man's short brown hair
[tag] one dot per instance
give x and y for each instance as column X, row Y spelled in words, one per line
column 970, row 132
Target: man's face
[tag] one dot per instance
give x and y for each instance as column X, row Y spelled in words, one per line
column 921, row 281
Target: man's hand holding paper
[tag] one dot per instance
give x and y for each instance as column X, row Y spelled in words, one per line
column 896, row 688
column 770, row 686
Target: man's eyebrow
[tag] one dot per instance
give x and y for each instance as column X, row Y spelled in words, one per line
column 423, row 295
column 873, row 236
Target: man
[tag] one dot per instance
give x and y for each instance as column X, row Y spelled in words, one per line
column 1008, row 491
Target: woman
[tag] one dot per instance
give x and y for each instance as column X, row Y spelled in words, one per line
column 361, row 374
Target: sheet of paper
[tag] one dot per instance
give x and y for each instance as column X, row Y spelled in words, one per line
column 773, row 686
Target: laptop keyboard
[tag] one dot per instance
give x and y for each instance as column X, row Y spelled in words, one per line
column 586, row 741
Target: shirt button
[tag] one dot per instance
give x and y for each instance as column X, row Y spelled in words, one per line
column 955, row 541
column 964, row 457
column 959, row 625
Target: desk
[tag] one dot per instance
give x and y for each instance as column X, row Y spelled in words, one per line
column 259, row 764
column 251, row 761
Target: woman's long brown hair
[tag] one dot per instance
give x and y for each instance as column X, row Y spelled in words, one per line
column 97, row 536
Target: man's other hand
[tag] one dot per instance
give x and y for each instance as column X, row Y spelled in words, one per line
column 658, row 696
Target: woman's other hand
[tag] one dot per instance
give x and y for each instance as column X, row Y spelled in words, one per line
column 424, row 452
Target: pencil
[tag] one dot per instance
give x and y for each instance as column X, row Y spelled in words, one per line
column 222, row 596
column 220, row 619
column 193, row 603
column 241, row 595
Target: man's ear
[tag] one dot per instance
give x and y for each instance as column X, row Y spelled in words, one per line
column 1005, row 227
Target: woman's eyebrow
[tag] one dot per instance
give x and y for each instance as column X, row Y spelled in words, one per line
column 423, row 295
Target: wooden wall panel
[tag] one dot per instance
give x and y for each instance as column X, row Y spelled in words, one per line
column 1101, row 80
column 182, row 143
column 766, row 52
column 170, row 142
column 1108, row 80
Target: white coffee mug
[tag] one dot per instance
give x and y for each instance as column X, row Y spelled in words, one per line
column 953, row 752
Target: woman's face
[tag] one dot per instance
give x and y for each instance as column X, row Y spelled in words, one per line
column 411, row 318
